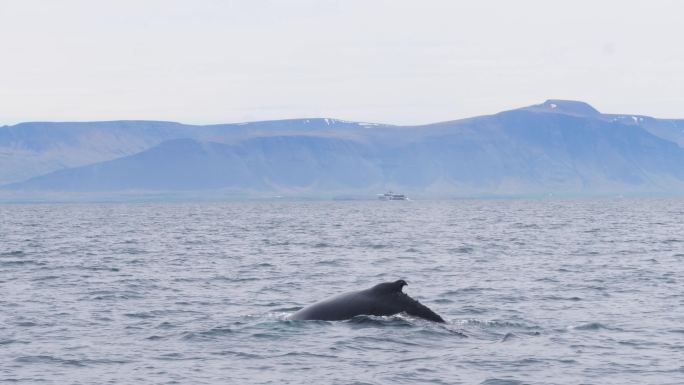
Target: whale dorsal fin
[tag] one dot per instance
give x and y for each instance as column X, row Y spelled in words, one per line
column 389, row 287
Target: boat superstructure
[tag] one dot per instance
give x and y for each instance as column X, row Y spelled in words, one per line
column 390, row 196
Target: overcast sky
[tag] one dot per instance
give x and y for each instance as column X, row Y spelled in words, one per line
column 386, row 61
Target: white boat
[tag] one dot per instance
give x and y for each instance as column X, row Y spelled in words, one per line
column 390, row 196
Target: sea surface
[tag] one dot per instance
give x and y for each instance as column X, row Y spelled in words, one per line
column 533, row 292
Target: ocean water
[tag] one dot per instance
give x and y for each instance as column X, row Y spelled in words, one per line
column 533, row 291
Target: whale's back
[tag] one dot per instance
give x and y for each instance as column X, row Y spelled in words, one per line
column 339, row 307
column 381, row 300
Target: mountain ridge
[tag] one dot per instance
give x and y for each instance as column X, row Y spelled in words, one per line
column 557, row 146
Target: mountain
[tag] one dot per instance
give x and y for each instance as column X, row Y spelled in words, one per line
column 558, row 146
column 266, row 163
column 31, row 149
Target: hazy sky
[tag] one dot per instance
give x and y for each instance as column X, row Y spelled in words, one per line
column 386, row 61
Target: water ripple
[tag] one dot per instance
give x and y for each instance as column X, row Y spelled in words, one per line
column 533, row 291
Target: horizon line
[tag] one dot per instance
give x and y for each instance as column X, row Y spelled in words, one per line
column 370, row 122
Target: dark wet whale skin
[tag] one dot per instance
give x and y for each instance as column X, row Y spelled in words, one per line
column 383, row 299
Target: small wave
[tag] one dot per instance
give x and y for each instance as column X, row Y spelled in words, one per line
column 560, row 298
column 522, row 225
column 264, row 264
column 155, row 338
column 143, row 315
column 592, row 326
column 45, row 359
column 106, row 295
column 546, row 279
column 175, row 357
column 369, row 320
column 512, row 298
column 132, row 251
column 15, row 253
column 500, row 381
column 245, row 279
column 377, row 246
column 461, row 250
column 22, row 262
column 271, row 243
column 165, row 325
column 187, row 279
column 45, row 278
column 451, row 330
column 495, row 324
column 328, row 262
column 207, row 334
column 302, row 323
column 160, row 312
column 277, row 325
column 377, row 340
column 637, row 343
column 244, row 355
column 100, row 268
column 469, row 310
column 305, row 354
column 443, row 300
column 267, row 336
column 465, row 290
column 596, row 287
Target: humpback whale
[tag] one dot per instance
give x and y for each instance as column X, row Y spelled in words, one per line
column 381, row 300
